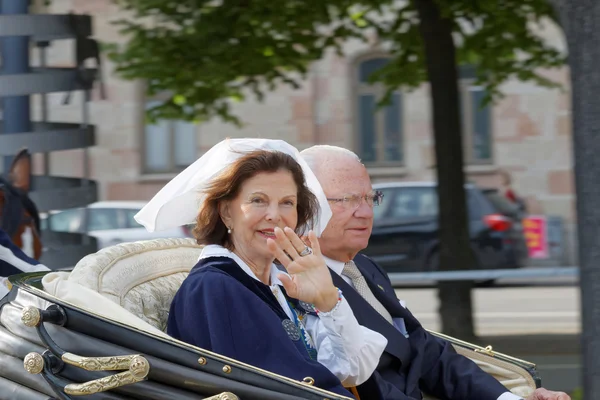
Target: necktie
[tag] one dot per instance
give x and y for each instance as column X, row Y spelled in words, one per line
column 360, row 284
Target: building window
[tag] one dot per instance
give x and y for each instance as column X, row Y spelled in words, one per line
column 379, row 130
column 477, row 120
column 169, row 146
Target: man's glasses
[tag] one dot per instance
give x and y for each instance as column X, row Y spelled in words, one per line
column 354, row 201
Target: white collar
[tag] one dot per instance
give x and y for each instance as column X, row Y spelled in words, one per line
column 214, row 250
column 335, row 265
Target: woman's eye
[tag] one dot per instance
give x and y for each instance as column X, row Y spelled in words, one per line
column 289, row 203
column 257, row 200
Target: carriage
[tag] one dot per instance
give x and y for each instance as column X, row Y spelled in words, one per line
column 98, row 331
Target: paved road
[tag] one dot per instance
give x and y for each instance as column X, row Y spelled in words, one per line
column 519, row 311
column 507, row 311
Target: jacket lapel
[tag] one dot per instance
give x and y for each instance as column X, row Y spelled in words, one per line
column 382, row 291
column 229, row 266
column 366, row 315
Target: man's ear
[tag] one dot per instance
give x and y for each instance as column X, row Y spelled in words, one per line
column 20, row 170
column 224, row 213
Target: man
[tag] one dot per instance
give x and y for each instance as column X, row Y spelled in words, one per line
column 414, row 360
column 14, row 261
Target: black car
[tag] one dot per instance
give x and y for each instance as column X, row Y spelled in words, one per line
column 405, row 229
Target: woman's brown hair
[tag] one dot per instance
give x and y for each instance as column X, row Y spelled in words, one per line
column 210, row 228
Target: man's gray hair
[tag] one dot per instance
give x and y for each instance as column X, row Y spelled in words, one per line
column 324, row 154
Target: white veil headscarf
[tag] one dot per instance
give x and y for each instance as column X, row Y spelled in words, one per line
column 178, row 203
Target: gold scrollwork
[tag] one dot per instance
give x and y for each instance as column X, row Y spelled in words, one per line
column 101, row 385
column 33, row 363
column 116, row 363
column 138, row 369
column 31, row 316
column 223, row 396
column 487, row 350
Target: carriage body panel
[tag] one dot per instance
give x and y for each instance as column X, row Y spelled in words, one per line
column 94, row 340
column 177, row 370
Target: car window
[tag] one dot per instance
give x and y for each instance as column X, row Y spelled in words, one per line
column 473, row 205
column 380, row 211
column 101, row 219
column 65, row 221
column 418, row 202
column 44, row 222
column 414, row 202
column 129, row 220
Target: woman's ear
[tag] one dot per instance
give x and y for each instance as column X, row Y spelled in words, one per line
column 224, row 213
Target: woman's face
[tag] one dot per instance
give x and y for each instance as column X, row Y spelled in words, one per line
column 265, row 201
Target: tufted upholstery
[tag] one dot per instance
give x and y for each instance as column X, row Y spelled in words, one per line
column 141, row 277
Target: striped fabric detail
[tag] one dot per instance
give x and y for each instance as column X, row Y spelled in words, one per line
column 13, row 260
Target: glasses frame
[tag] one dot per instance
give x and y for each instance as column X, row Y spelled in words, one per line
column 375, row 198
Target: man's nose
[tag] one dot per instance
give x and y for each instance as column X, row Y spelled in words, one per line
column 364, row 210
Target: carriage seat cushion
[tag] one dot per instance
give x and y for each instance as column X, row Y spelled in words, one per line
column 141, row 277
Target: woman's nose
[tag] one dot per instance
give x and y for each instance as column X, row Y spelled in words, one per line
column 273, row 213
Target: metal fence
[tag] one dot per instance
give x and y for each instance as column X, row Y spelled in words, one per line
column 559, row 275
column 18, row 81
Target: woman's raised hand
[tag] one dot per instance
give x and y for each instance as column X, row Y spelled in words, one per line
column 309, row 279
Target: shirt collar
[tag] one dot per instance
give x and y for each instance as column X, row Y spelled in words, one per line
column 214, row 250
column 335, row 265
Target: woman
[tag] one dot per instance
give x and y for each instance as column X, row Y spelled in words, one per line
column 236, row 301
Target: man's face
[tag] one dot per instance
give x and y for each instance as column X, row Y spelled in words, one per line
column 350, row 227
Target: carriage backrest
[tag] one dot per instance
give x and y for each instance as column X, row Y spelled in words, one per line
column 141, row 277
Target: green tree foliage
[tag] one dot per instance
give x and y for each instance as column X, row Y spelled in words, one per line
column 211, row 54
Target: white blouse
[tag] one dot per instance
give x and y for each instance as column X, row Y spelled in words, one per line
column 350, row 351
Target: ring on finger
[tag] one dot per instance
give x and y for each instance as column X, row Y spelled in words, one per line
column 307, row 250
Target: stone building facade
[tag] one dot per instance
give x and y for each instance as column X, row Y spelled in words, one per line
column 527, row 133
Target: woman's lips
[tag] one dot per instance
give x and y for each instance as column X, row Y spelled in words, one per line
column 269, row 233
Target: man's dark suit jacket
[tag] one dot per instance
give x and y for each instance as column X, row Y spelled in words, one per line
column 421, row 362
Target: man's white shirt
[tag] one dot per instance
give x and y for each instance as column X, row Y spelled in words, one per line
column 338, row 267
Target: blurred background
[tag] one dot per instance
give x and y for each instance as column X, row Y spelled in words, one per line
column 516, row 150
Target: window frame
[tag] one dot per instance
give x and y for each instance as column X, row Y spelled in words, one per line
column 466, row 82
column 172, row 168
column 378, row 91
